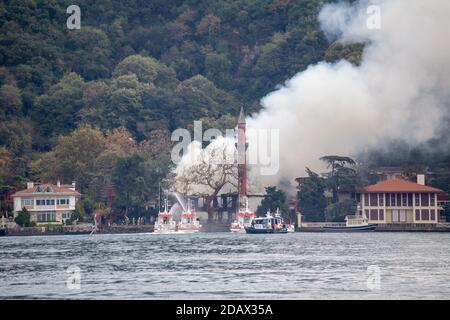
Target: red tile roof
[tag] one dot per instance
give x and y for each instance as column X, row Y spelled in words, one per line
column 399, row 185
column 62, row 190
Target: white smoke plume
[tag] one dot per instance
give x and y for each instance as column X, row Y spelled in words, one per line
column 401, row 89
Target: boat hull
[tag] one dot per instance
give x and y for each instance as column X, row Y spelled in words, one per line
column 370, row 227
column 265, row 231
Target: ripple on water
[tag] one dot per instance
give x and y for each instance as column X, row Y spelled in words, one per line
column 222, row 265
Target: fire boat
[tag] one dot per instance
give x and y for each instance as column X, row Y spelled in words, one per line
column 244, row 219
column 164, row 222
column 189, row 221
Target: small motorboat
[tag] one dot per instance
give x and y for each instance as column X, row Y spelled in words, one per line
column 269, row 224
column 353, row 223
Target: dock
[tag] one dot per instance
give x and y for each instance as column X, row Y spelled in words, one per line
column 386, row 227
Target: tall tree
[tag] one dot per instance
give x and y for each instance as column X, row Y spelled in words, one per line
column 73, row 158
column 56, row 111
column 340, row 175
column 135, row 182
column 311, row 198
column 211, row 170
column 273, row 200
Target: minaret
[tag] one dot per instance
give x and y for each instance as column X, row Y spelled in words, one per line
column 242, row 159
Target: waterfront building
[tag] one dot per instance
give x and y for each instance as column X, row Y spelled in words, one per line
column 47, row 203
column 399, row 201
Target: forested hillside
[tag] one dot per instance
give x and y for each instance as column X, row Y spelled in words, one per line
column 145, row 67
column 97, row 105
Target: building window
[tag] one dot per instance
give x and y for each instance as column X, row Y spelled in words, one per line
column 417, row 215
column 432, row 196
column 373, row 214
column 388, row 199
column 27, row 202
column 381, row 214
column 40, row 202
column 374, row 199
column 366, row 199
column 393, row 199
column 62, row 201
column 381, row 199
column 367, row 213
column 417, row 200
column 66, row 215
column 399, row 199
column 410, row 200
column 424, row 200
column 404, row 200
column 50, row 202
column 47, row 216
column 425, row 214
column 432, row 215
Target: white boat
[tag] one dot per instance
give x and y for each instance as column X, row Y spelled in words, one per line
column 269, row 224
column 189, row 221
column 164, row 222
column 244, row 218
column 353, row 223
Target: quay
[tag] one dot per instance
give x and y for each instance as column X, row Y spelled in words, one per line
column 75, row 229
column 385, row 227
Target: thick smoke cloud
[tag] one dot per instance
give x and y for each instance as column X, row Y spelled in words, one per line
column 399, row 91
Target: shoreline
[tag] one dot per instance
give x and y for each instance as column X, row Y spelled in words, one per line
column 87, row 229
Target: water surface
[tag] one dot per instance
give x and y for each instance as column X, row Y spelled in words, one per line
column 227, row 266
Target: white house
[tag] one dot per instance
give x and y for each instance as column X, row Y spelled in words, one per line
column 47, row 203
column 401, row 201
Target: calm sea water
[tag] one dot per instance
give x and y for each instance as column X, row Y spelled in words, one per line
column 227, row 266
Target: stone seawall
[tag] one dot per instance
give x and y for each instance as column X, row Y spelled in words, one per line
column 76, row 229
column 49, row 230
column 215, row 227
column 125, row 229
column 413, row 227
column 394, row 227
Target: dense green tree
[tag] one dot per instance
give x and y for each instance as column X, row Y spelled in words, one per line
column 10, row 101
column 135, row 182
column 336, row 212
column 273, row 200
column 89, row 52
column 23, row 218
column 341, row 176
column 73, row 159
column 311, row 198
column 56, row 111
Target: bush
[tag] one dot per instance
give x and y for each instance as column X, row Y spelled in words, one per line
column 336, row 212
column 23, row 218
